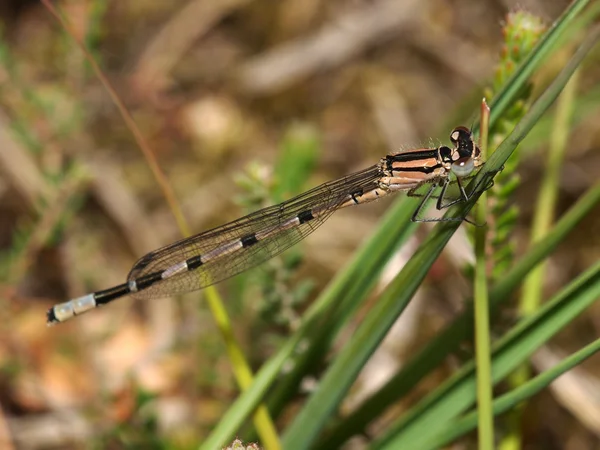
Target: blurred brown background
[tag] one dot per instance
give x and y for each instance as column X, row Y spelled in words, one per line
column 214, row 87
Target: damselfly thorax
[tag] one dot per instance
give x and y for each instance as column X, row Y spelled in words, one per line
column 214, row 255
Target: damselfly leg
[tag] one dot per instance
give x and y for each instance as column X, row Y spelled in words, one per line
column 440, row 205
column 443, row 184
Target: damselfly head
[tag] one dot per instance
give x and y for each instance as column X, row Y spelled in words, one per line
column 466, row 154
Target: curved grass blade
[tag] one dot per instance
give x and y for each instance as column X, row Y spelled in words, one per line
column 432, row 414
column 343, row 296
column 511, row 400
column 548, row 43
column 340, row 376
column 449, row 340
column 247, row 401
column 353, row 284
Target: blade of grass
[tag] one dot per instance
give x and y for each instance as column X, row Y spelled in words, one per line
column 448, row 340
column 346, row 291
column 248, row 400
column 512, row 399
column 519, row 79
column 482, row 308
column 338, row 379
column 343, row 296
column 432, row 414
column 548, row 43
column 240, row 365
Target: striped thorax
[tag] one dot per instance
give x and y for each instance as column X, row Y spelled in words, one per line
column 407, row 170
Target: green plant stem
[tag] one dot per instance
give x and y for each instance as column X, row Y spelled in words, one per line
column 482, row 310
column 242, row 371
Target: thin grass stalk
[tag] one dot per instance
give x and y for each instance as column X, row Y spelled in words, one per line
column 482, row 308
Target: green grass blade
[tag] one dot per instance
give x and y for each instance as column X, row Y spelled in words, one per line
column 547, row 44
column 344, row 295
column 431, row 415
column 339, row 377
column 481, row 280
column 348, row 288
column 548, row 194
column 448, row 340
column 424, row 258
column 352, row 358
column 513, row 399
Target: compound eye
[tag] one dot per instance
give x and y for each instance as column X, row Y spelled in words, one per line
column 461, row 134
column 455, row 136
column 463, row 167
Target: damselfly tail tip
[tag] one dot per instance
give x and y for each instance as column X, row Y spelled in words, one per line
column 65, row 311
column 59, row 313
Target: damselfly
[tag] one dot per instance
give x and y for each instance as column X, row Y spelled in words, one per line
column 210, row 257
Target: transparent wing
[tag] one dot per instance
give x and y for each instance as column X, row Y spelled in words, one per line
column 327, row 196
